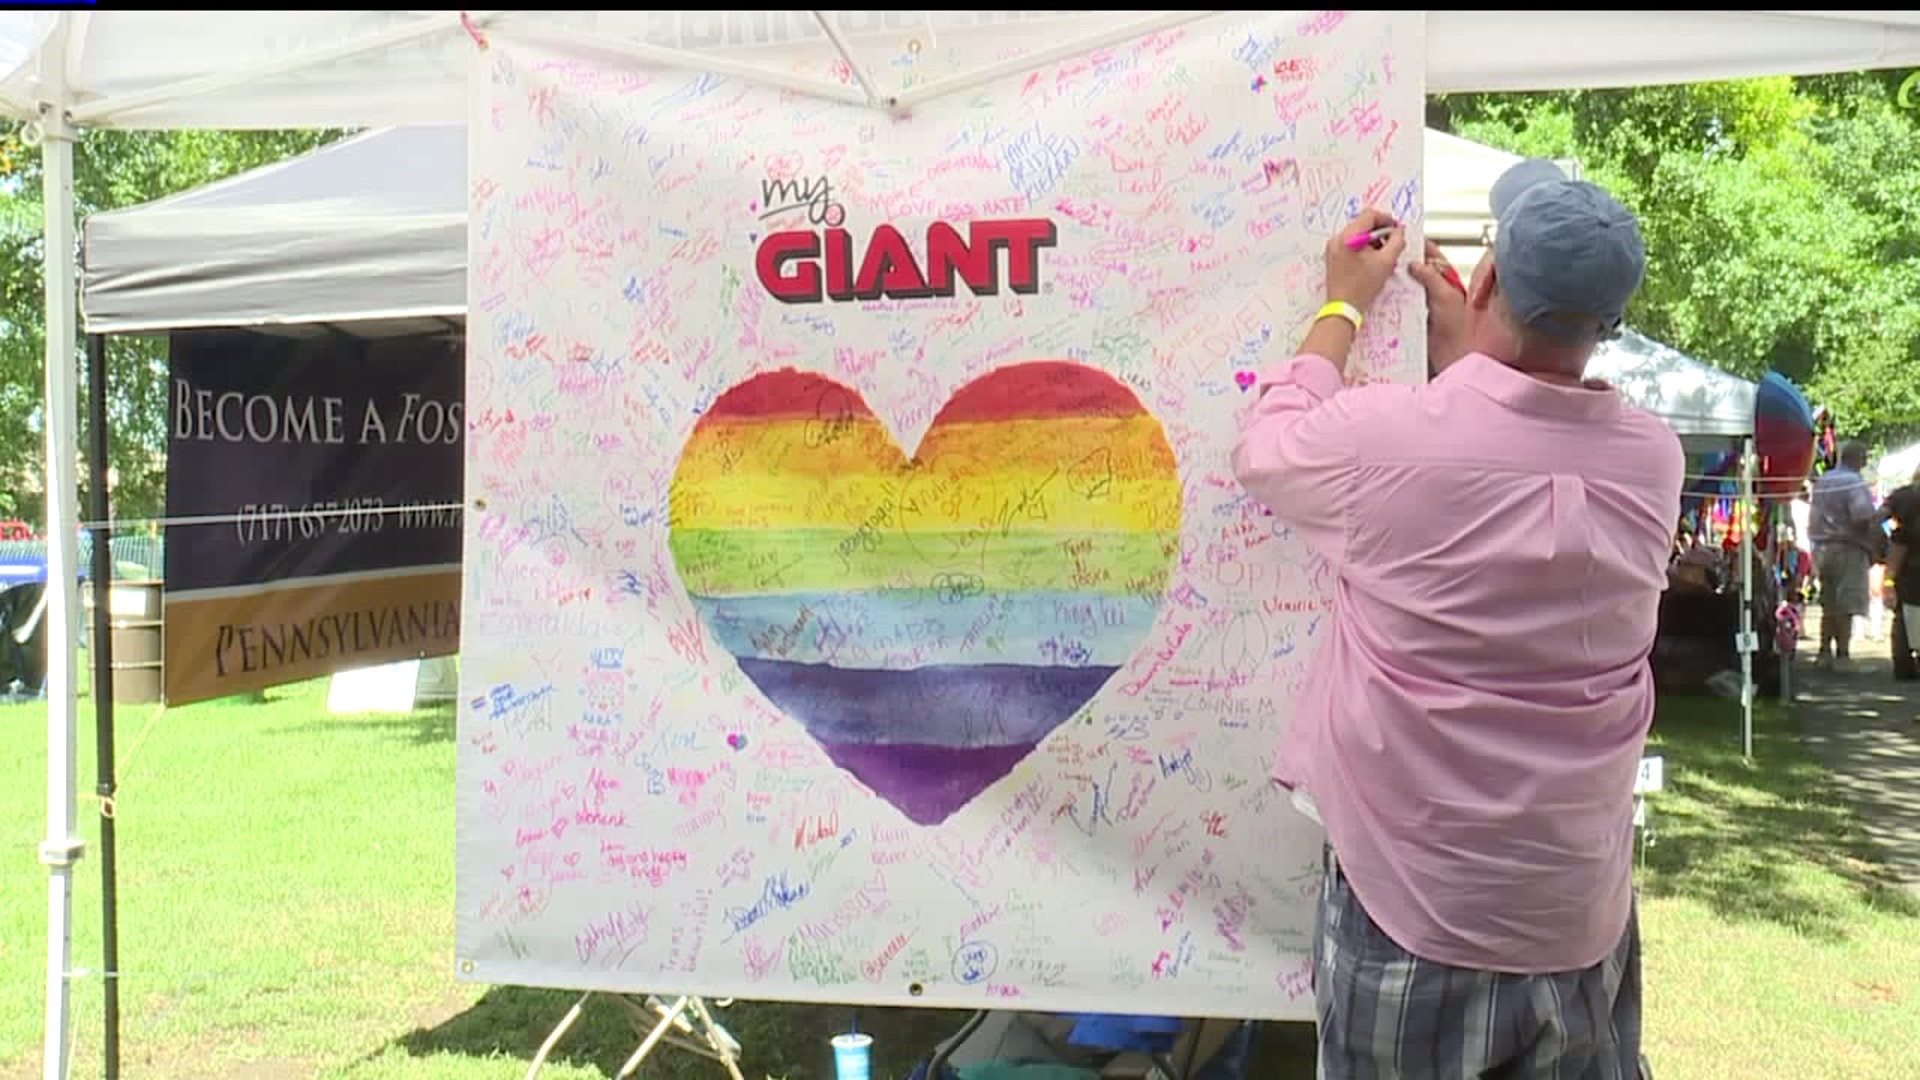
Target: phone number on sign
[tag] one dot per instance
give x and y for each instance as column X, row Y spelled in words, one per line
column 280, row 522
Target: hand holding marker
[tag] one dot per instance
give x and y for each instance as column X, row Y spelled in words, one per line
column 1375, row 238
column 1378, row 237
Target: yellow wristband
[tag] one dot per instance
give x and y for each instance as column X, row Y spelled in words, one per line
column 1340, row 309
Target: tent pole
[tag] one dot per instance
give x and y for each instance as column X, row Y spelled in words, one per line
column 853, row 64
column 104, row 110
column 62, row 846
column 101, row 653
column 1747, row 642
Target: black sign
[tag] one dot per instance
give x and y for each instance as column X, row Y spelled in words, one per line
column 313, row 490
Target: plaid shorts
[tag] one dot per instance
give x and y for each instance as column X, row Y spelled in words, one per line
column 1385, row 1014
column 1845, row 573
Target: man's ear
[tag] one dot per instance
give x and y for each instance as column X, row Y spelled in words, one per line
column 1480, row 290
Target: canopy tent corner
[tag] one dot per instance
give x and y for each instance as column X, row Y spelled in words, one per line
column 367, row 235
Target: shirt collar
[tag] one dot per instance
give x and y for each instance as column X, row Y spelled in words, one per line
column 1477, row 371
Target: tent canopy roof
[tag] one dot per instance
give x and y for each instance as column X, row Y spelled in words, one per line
column 1694, row 398
column 242, row 69
column 369, row 231
column 1459, row 173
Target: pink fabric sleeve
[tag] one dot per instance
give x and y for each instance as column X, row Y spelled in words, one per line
column 1297, row 451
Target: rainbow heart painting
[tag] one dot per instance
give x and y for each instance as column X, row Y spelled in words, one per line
column 929, row 619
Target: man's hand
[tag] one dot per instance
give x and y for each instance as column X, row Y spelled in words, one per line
column 1446, row 309
column 1357, row 277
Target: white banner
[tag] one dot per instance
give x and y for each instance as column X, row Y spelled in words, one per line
column 860, row 606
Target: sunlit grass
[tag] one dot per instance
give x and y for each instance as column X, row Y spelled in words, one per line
column 1774, row 945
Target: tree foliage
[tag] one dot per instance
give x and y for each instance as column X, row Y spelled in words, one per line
column 112, row 169
column 1782, row 219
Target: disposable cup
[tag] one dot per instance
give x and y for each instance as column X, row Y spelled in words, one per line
column 852, row 1057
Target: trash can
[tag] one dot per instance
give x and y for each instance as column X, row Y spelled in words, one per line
column 138, row 640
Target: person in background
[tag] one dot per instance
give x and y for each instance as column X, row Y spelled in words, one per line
column 1473, row 720
column 1801, row 512
column 1876, row 600
column 1842, row 525
column 1800, row 572
column 1902, row 509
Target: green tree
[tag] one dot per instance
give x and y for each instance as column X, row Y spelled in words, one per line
column 112, row 169
column 1870, row 366
column 1782, row 218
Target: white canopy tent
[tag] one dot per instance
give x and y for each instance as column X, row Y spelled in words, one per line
column 1896, row 467
column 1708, row 408
column 368, row 233
column 257, row 69
column 1459, row 173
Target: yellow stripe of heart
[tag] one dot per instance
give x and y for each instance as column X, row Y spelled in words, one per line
column 1072, row 473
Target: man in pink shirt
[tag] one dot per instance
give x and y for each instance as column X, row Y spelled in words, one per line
column 1473, row 721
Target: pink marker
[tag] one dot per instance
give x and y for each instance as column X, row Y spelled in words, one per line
column 1374, row 237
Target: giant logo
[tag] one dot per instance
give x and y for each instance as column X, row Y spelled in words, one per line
column 811, row 266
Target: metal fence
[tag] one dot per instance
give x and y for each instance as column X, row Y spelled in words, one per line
column 135, row 558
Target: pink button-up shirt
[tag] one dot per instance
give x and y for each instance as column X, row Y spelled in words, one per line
column 1473, row 721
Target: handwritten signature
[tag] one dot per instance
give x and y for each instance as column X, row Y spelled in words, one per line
column 776, row 895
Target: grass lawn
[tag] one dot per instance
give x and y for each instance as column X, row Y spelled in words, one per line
column 286, row 911
column 1775, row 946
